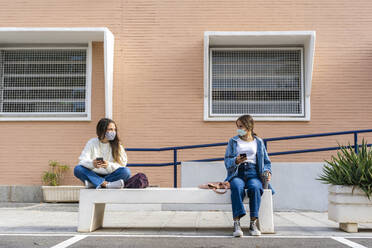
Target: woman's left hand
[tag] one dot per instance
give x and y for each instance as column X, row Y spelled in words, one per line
column 269, row 177
column 268, row 174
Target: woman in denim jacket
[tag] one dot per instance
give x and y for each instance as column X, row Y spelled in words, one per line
column 246, row 160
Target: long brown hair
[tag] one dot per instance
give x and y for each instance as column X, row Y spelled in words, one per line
column 247, row 122
column 101, row 130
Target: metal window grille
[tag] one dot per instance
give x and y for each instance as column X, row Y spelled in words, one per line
column 43, row 82
column 256, row 81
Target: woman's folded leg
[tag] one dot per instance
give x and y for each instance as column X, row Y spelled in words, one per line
column 85, row 174
column 120, row 173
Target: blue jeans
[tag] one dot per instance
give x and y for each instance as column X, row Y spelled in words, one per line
column 96, row 179
column 250, row 181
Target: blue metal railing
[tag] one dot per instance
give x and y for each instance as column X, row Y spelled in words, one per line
column 175, row 149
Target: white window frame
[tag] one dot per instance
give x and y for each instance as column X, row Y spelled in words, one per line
column 302, row 114
column 265, row 39
column 68, row 35
column 56, row 116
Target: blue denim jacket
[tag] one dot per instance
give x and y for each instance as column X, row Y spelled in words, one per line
column 262, row 159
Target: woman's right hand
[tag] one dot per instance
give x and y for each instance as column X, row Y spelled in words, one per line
column 240, row 159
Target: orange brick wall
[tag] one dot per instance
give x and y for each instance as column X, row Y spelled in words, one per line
column 158, row 78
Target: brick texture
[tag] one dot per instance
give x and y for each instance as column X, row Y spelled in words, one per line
column 158, row 78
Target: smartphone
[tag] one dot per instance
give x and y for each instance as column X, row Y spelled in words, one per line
column 243, row 155
column 99, row 159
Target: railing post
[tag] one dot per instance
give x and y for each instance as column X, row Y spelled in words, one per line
column 265, row 143
column 175, row 167
column 356, row 147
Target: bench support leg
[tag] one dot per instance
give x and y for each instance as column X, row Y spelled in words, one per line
column 90, row 216
column 265, row 215
column 98, row 214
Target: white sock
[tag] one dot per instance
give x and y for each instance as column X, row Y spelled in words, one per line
column 119, row 184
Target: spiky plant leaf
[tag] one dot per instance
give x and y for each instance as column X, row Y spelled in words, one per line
column 350, row 168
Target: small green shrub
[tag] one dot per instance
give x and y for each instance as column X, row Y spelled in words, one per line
column 350, row 168
column 56, row 172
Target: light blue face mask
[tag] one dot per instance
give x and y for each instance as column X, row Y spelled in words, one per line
column 110, row 135
column 241, row 132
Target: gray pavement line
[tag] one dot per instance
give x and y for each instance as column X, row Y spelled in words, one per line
column 33, row 206
column 213, row 236
column 353, row 237
column 21, row 208
column 182, row 236
column 314, row 219
column 348, row 242
column 70, row 241
column 40, row 234
column 292, row 222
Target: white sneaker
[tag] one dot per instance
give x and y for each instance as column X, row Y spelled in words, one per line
column 88, row 184
column 119, row 184
column 237, row 230
column 253, row 229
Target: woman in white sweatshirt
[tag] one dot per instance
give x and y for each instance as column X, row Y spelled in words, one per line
column 103, row 160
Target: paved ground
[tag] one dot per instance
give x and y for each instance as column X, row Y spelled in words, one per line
column 172, row 241
column 54, row 225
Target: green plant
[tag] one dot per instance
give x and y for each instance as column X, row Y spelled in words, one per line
column 56, row 172
column 350, row 168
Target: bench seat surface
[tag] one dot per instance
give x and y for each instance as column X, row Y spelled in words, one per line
column 155, row 196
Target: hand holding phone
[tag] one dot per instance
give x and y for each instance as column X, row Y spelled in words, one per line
column 97, row 162
column 241, row 158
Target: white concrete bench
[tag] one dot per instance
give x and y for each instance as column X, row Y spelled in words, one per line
column 92, row 203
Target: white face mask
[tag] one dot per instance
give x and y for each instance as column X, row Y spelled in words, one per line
column 241, row 132
column 110, row 135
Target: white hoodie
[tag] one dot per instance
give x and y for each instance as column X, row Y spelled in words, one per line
column 94, row 149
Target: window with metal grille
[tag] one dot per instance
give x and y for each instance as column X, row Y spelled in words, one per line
column 263, row 82
column 43, row 82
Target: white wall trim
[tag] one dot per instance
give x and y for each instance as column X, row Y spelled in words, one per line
column 257, row 38
column 206, row 76
column 109, row 71
column 21, row 35
column 89, row 82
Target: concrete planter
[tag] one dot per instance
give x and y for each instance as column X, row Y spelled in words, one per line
column 349, row 208
column 61, row 193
